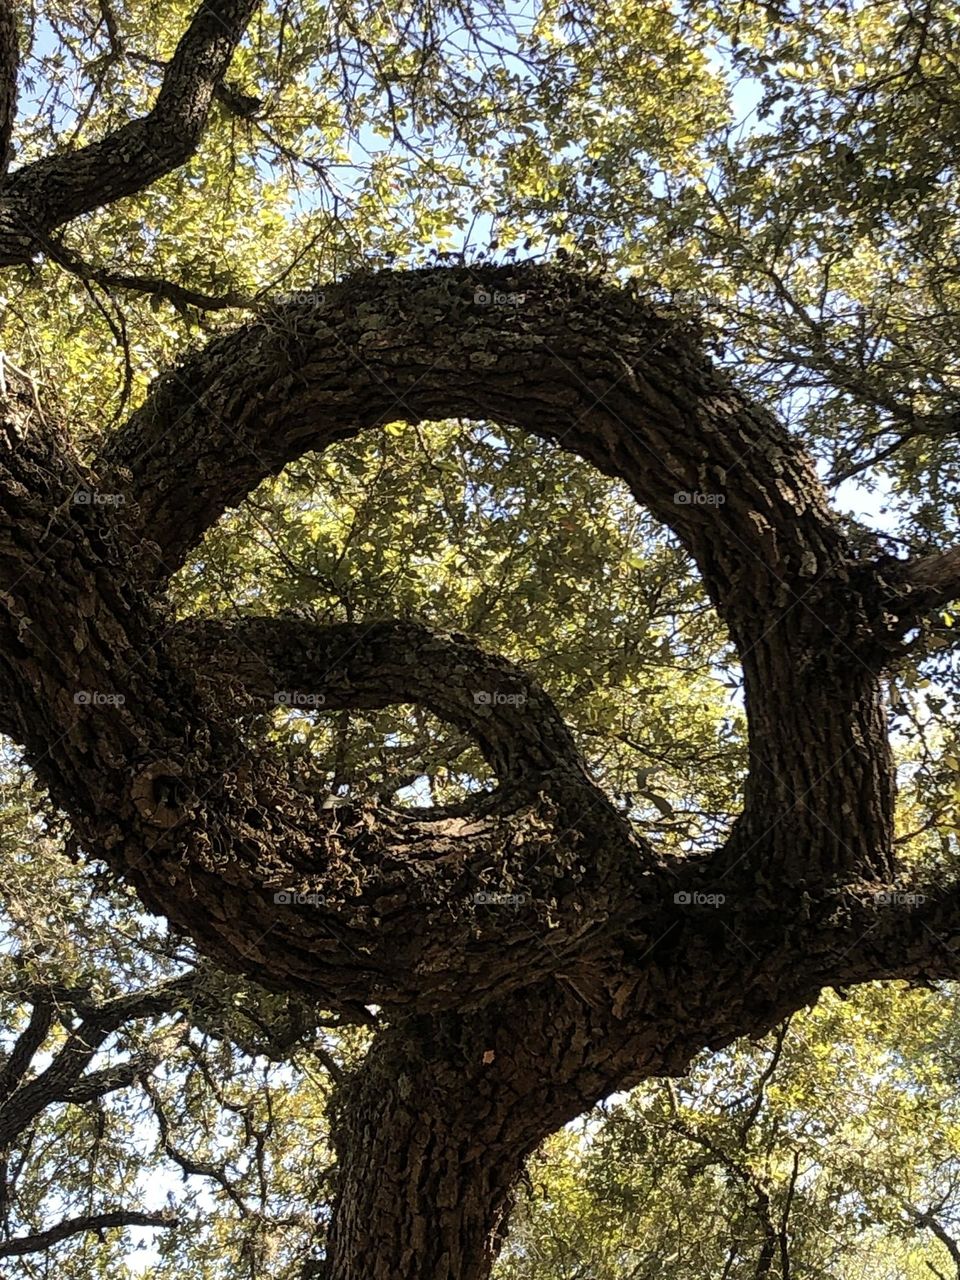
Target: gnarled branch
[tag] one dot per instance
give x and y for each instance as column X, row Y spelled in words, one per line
column 595, row 957
column 366, row 666
column 624, row 385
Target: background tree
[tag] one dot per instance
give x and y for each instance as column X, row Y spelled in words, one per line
column 256, row 729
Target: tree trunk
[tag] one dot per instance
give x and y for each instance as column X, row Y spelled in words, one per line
column 432, row 1130
column 426, row 1174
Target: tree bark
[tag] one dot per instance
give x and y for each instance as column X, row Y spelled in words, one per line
column 9, row 67
column 427, row 1168
column 529, row 952
column 43, row 195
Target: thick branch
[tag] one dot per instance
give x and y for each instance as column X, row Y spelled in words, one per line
column 349, row 905
column 625, row 386
column 365, row 666
column 577, row 361
column 52, row 191
column 930, row 583
column 25, row 1046
column 162, row 781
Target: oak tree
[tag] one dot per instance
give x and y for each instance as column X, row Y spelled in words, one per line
column 523, row 948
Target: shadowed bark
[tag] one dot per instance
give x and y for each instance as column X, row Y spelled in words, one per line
column 529, row 952
column 9, row 66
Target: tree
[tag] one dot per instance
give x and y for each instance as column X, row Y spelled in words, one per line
column 523, row 951
column 812, row 1153
column 140, row 1087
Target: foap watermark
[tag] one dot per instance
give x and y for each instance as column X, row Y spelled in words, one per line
column 90, row 498
column 684, row 899
column 494, row 298
column 884, row 899
column 694, row 498
column 93, row 698
column 490, row 898
column 298, row 698
column 496, row 698
column 310, row 297
column 287, row 897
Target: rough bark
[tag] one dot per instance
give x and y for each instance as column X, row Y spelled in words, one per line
column 43, row 195
column 9, row 66
column 530, row 952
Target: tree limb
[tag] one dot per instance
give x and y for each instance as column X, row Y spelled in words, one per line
column 63, row 1079
column 178, row 295
column 26, row 1045
column 610, row 377
column 49, row 192
column 97, row 1084
column 930, row 581
column 928, row 1220
column 290, row 662
column 41, row 1240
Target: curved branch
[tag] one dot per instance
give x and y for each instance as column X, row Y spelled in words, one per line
column 364, row 904
column 623, row 384
column 547, row 807
column 570, row 358
column 366, row 666
column 354, row 905
column 52, row 191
